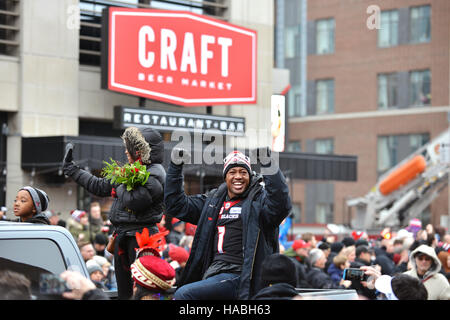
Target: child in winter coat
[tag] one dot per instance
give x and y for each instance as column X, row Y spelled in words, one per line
column 336, row 269
column 30, row 205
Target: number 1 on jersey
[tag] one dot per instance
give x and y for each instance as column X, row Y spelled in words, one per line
column 221, row 235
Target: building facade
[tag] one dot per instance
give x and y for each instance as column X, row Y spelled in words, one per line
column 370, row 79
column 50, row 84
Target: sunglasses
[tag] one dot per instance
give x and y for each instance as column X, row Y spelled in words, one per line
column 423, row 257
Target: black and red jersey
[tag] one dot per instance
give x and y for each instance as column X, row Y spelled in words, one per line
column 228, row 236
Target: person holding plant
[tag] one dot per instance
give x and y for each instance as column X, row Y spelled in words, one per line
column 138, row 192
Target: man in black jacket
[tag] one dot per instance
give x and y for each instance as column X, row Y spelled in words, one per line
column 237, row 227
column 362, row 259
column 384, row 257
column 133, row 210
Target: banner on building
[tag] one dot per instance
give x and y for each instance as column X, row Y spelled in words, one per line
column 178, row 57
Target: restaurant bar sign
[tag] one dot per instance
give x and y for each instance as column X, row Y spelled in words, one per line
column 168, row 121
column 178, row 57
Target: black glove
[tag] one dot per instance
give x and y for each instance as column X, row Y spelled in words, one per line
column 180, row 156
column 263, row 156
column 69, row 167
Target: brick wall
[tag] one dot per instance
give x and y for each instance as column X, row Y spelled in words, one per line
column 354, row 65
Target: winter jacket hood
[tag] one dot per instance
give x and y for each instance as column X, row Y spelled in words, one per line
column 147, row 142
column 429, row 251
column 436, row 283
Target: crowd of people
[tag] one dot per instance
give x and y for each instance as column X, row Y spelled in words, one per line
column 411, row 263
column 174, row 247
column 231, row 243
column 406, row 255
column 421, row 253
column 92, row 234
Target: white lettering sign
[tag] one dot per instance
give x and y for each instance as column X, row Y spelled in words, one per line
column 169, row 46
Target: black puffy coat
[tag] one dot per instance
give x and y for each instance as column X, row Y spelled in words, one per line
column 263, row 209
column 141, row 207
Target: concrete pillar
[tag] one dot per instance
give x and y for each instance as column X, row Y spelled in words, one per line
column 47, row 81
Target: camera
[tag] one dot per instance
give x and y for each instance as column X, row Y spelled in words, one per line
column 51, row 284
column 354, row 274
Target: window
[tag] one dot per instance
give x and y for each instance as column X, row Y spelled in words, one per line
column 425, row 216
column 294, row 102
column 324, row 146
column 9, row 27
column 420, row 88
column 387, row 91
column 325, row 36
column 324, row 213
column 292, row 42
column 420, row 24
column 297, row 212
column 324, row 96
column 393, row 149
column 418, row 140
column 31, row 257
column 388, row 32
column 387, row 153
column 294, row 146
column 319, row 206
column 91, row 19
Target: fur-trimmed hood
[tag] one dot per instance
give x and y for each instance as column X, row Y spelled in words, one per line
column 147, row 141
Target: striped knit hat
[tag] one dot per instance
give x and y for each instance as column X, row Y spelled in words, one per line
column 39, row 197
column 236, row 159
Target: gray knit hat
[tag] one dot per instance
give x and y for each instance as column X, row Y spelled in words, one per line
column 39, row 197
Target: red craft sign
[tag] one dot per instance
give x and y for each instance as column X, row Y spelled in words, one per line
column 179, row 57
